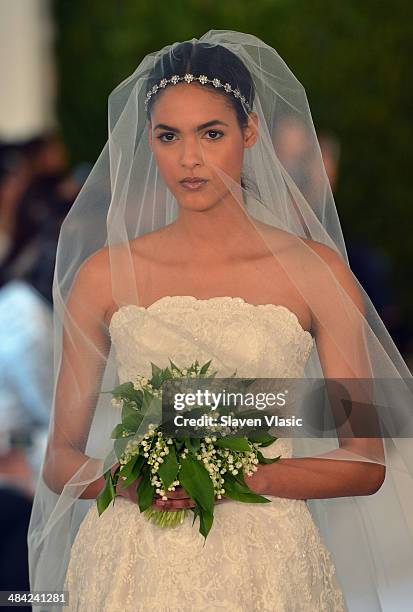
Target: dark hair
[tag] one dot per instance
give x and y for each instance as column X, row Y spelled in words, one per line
column 213, row 60
column 209, row 59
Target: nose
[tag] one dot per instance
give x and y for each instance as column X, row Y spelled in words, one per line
column 191, row 152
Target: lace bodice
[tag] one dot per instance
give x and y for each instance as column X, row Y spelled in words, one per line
column 264, row 340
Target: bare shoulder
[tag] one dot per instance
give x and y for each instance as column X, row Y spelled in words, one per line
column 329, row 255
column 92, row 283
column 340, row 271
column 323, row 265
column 96, row 268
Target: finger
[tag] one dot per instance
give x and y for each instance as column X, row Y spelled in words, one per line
column 177, row 504
column 179, row 493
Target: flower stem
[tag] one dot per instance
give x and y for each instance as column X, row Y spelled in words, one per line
column 166, row 518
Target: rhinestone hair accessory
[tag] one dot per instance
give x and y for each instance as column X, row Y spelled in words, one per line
column 203, row 79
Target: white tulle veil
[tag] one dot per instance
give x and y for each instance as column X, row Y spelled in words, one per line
column 285, row 201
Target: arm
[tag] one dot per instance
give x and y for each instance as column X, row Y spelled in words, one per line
column 306, row 477
column 85, row 346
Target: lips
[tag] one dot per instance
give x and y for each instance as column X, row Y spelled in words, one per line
column 193, row 182
column 192, row 179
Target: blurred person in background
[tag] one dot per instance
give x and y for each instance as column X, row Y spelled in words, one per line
column 25, row 401
column 41, row 205
column 15, row 174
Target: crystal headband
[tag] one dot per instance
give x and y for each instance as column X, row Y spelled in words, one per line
column 202, row 79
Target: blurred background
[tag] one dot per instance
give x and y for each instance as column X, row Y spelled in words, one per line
column 60, row 60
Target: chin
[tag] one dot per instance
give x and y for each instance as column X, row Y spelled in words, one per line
column 197, row 206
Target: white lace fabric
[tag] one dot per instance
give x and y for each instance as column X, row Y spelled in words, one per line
column 267, row 557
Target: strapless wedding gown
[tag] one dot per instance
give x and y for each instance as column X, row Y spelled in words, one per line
column 266, row 557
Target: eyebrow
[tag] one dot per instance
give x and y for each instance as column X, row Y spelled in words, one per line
column 163, row 126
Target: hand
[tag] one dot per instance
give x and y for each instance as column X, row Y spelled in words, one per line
column 259, row 481
column 177, row 500
column 130, row 491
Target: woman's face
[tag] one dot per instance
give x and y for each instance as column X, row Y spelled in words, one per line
column 192, row 131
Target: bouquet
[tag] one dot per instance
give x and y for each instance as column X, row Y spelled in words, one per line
column 204, row 466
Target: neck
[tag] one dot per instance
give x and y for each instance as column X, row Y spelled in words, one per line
column 224, row 228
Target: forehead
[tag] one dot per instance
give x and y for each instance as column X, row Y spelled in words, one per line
column 189, row 102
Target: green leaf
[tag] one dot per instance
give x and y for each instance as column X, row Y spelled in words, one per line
column 264, row 439
column 263, row 459
column 107, row 494
column 173, row 365
column 241, row 492
column 168, row 470
column 145, row 491
column 119, row 445
column 117, row 431
column 196, row 510
column 196, row 480
column 156, row 378
column 131, row 470
column 151, row 402
column 179, row 443
column 193, row 444
column 206, row 520
column 127, row 391
column 131, row 417
column 246, row 382
column 166, row 374
column 205, row 367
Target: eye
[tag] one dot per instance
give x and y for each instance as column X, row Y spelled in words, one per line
column 215, row 132
column 165, row 134
column 163, row 137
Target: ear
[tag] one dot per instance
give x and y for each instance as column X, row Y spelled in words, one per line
column 251, row 131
